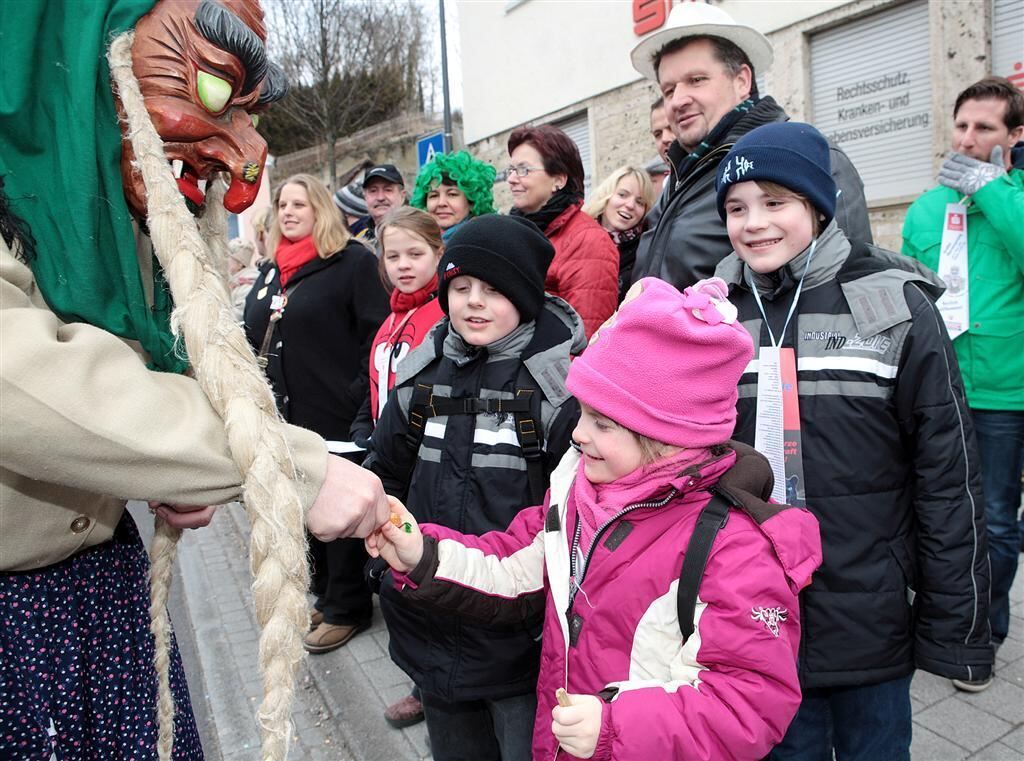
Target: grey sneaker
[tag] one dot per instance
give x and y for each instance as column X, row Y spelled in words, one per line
column 972, row 685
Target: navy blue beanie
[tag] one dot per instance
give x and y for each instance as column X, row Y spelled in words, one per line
column 508, row 253
column 791, row 154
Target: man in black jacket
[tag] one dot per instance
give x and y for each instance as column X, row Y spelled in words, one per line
column 705, row 64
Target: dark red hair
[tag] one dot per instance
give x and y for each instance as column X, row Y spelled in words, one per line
column 558, row 152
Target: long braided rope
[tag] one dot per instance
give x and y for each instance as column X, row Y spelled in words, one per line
column 227, row 372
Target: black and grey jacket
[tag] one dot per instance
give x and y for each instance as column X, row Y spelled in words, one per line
column 469, row 473
column 890, row 465
column 686, row 239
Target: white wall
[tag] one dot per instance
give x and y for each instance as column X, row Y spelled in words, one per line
column 523, row 60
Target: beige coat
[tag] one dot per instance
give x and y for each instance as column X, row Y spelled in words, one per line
column 84, row 426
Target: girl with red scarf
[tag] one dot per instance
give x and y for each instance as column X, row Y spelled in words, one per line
column 311, row 316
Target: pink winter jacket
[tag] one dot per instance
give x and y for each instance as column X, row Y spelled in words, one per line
column 728, row 692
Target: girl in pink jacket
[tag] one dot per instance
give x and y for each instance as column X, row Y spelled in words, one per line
column 601, row 559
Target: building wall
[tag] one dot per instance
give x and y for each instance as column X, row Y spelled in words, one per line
column 960, row 32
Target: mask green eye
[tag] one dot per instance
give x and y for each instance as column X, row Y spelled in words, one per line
column 214, row 92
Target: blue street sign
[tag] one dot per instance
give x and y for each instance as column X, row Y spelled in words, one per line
column 427, row 146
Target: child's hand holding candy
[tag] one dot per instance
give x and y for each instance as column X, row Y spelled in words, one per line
column 576, row 723
column 398, row 541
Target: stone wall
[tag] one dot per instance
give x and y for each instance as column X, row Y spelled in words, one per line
column 619, row 134
column 391, row 142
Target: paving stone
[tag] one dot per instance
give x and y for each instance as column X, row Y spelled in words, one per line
column 928, row 746
column 930, row 689
column 997, row 751
column 385, row 674
column 1013, row 673
column 962, row 723
column 1002, row 699
column 1015, row 740
column 364, row 648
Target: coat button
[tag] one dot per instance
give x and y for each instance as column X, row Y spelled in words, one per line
column 80, row 524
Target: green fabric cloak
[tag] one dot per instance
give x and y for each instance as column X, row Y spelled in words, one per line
column 60, row 148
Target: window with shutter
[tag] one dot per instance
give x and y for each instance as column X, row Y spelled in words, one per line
column 871, row 95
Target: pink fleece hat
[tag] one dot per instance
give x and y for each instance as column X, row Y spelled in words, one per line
column 666, row 365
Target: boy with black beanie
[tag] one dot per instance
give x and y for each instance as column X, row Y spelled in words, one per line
column 478, row 418
column 856, row 398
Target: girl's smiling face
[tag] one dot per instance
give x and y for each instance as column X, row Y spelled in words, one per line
column 409, row 261
column 609, row 450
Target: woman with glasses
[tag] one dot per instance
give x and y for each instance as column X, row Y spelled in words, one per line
column 619, row 205
column 546, row 179
column 452, row 187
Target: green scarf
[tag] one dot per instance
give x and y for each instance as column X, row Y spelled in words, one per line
column 60, row 148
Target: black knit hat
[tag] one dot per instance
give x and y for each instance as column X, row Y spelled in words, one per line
column 791, row 154
column 508, row 253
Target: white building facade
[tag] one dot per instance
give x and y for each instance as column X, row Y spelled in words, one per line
column 879, row 77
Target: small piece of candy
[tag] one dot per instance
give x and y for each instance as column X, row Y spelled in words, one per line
column 562, row 697
column 397, row 521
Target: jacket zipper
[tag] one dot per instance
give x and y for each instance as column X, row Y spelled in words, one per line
column 597, row 538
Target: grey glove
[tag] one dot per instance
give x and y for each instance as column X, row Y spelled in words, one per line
column 967, row 176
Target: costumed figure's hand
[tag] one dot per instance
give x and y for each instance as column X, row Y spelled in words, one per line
column 967, row 176
column 577, row 726
column 183, row 516
column 398, row 540
column 351, row 503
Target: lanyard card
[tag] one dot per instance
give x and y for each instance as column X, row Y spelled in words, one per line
column 954, row 304
column 777, row 432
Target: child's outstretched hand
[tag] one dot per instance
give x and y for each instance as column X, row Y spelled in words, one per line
column 577, row 726
column 398, row 541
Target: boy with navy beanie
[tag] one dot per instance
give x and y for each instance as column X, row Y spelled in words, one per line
column 856, row 397
column 477, row 420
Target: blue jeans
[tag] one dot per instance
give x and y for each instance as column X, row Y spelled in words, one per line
column 858, row 723
column 1001, row 449
column 481, row 730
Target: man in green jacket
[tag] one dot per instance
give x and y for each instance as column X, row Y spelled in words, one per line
column 979, row 252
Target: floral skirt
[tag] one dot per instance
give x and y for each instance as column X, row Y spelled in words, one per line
column 76, row 660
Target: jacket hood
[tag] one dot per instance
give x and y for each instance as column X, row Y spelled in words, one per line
column 792, row 531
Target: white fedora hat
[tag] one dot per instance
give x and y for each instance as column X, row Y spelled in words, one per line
column 694, row 18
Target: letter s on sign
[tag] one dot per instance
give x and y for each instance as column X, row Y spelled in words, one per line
column 648, row 15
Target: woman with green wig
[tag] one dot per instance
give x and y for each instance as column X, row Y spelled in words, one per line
column 452, row 187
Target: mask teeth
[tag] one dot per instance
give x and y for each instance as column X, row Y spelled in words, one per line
column 176, row 166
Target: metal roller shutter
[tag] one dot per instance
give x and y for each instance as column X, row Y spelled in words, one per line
column 578, row 129
column 1008, row 40
column 871, row 95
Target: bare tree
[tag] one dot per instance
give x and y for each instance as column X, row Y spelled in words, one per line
column 351, row 63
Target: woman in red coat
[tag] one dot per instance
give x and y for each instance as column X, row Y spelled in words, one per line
column 546, row 179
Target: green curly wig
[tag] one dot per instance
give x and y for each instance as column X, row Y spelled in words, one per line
column 474, row 178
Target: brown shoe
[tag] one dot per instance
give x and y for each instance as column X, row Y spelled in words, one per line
column 327, row 637
column 404, row 713
column 315, row 619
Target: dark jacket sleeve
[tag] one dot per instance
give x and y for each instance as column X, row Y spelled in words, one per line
column 952, row 637
column 362, row 424
column 390, row 457
column 851, row 206
column 369, row 308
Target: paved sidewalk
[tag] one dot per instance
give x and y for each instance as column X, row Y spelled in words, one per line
column 341, row 697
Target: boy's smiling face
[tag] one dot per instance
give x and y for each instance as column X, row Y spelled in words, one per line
column 767, row 230
column 479, row 312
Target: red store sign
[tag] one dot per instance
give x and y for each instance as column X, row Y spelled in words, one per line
column 649, row 15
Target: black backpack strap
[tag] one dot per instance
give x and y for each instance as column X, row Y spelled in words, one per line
column 531, row 441
column 712, row 518
column 420, row 410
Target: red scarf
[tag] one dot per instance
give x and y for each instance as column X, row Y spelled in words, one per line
column 291, row 257
column 403, row 302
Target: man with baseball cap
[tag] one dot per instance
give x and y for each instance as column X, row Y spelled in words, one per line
column 704, row 64
column 383, row 190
